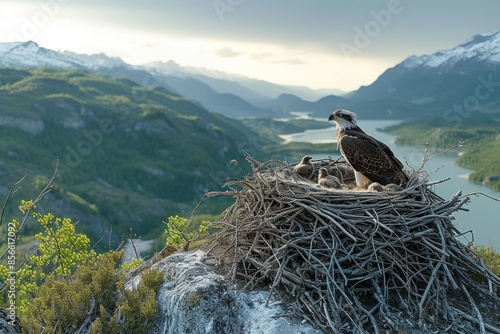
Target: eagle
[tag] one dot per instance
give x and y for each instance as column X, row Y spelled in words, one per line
column 372, row 160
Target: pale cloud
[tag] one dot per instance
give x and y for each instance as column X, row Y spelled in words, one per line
column 227, row 53
column 271, row 58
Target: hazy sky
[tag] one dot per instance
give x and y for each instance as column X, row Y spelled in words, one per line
column 315, row 43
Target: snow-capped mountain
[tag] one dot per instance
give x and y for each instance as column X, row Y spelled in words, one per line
column 445, row 79
column 167, row 74
column 230, row 94
column 29, row 54
column 165, row 67
column 429, row 82
column 96, row 61
column 478, row 48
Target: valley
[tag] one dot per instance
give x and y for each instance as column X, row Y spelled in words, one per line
column 136, row 144
column 127, row 156
column 210, row 167
column 481, row 148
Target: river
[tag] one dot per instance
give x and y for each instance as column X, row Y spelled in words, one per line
column 483, row 217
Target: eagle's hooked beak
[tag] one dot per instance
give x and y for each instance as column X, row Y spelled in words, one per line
column 331, row 117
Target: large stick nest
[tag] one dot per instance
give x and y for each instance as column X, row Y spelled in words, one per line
column 356, row 261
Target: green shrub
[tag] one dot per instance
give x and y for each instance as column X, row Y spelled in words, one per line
column 62, row 304
column 140, row 305
column 180, row 232
column 64, row 285
column 94, row 297
column 59, row 252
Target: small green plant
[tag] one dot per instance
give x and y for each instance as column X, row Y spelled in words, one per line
column 133, row 264
column 140, row 306
column 60, row 251
column 180, row 233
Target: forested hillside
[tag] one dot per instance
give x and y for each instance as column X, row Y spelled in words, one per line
column 481, row 148
column 129, row 156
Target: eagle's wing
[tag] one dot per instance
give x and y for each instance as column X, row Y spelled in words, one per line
column 372, row 158
column 386, row 149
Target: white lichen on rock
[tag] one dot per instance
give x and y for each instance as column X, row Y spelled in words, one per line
column 195, row 299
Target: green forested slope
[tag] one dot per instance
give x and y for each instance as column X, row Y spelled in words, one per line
column 129, row 155
column 481, row 151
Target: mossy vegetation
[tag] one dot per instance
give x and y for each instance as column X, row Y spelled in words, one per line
column 490, row 257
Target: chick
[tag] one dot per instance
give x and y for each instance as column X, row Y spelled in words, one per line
column 305, row 168
column 343, row 172
column 392, row 187
column 375, row 187
column 328, row 181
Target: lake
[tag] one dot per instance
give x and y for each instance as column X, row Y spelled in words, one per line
column 483, row 217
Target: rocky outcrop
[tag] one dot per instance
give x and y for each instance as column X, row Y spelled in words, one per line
column 30, row 124
column 195, row 299
column 490, row 179
column 65, row 112
column 8, row 325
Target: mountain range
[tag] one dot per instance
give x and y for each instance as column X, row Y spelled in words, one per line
column 229, row 94
column 450, row 83
column 464, row 77
column 418, row 86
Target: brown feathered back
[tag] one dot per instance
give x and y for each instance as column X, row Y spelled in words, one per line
column 371, row 157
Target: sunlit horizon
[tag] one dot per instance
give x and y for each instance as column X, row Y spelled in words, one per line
column 281, row 45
